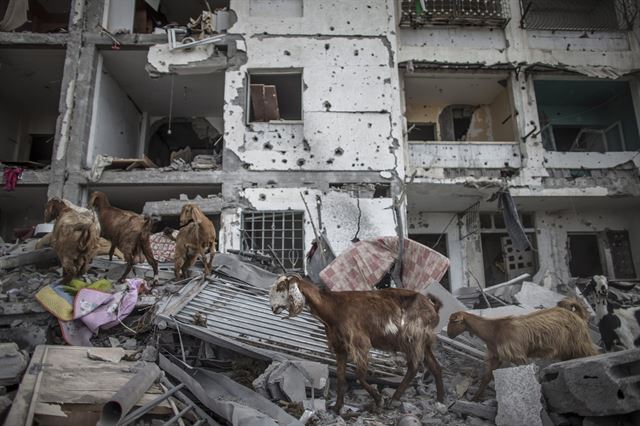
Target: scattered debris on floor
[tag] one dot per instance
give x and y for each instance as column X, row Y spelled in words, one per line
column 211, row 351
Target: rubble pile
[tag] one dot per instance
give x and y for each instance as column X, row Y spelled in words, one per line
column 210, row 351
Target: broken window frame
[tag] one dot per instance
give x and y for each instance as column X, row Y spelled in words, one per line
column 607, row 262
column 279, row 72
column 259, row 243
column 413, row 124
column 546, row 129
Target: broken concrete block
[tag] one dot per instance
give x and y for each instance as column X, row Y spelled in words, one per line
column 519, row 396
column 533, row 296
column 601, row 385
column 12, row 363
column 476, row 409
column 409, row 408
column 409, row 420
column 289, row 380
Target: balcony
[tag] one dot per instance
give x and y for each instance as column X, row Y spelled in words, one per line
column 421, row 13
column 578, row 15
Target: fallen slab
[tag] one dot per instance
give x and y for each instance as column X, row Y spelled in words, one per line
column 63, row 380
column 45, row 256
column 600, row 385
column 519, row 396
column 534, row 296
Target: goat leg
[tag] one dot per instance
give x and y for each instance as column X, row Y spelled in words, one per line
column 112, row 250
column 129, row 259
column 148, row 254
column 412, row 370
column 361, row 372
column 436, row 371
column 490, row 364
column 341, row 371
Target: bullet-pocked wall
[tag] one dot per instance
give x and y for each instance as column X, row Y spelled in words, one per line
column 343, row 56
column 344, row 217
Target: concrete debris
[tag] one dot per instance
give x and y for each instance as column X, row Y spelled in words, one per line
column 534, row 296
column 12, row 363
column 293, row 381
column 468, row 408
column 111, row 355
column 602, row 385
column 519, row 396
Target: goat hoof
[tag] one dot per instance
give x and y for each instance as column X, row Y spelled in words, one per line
column 336, row 408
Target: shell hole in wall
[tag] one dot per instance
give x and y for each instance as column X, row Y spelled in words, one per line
column 192, row 140
column 275, row 96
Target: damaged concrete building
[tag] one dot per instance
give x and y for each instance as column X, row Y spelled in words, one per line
column 347, row 106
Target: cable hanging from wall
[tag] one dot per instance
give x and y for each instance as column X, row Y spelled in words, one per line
column 170, row 106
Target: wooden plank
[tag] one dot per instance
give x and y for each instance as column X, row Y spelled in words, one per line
column 34, row 257
column 20, row 407
column 257, row 102
column 271, row 110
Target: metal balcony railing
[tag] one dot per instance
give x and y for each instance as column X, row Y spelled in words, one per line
column 419, row 13
column 578, row 15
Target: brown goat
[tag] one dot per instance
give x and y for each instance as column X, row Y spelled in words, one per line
column 549, row 333
column 196, row 236
column 74, row 238
column 127, row 231
column 395, row 320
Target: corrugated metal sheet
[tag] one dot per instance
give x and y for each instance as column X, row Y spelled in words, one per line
column 241, row 313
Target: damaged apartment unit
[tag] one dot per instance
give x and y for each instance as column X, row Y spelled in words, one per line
column 287, row 118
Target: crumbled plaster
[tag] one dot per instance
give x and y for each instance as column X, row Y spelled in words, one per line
column 199, row 59
column 464, row 155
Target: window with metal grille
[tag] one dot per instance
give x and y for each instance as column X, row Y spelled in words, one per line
column 280, row 231
column 417, row 13
column 574, row 15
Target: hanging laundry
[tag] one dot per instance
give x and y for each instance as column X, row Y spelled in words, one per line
column 11, row 176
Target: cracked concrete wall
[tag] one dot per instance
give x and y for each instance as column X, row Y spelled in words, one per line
column 553, row 227
column 426, row 156
column 350, row 100
column 339, row 215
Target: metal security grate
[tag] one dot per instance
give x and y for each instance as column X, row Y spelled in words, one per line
column 282, row 231
column 577, row 15
column 417, row 13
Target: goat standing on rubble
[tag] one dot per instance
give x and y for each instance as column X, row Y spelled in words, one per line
column 127, row 231
column 395, row 320
column 558, row 333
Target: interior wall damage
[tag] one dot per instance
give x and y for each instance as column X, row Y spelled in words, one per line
column 37, row 16
column 30, row 82
column 135, row 115
column 459, row 107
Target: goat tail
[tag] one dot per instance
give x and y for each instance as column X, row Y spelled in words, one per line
column 85, row 238
column 437, row 303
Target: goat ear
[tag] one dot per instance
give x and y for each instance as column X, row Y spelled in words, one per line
column 456, row 317
column 296, row 299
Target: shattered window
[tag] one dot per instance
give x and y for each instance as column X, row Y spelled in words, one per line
column 422, row 131
column 282, row 232
column 587, row 115
column 275, row 96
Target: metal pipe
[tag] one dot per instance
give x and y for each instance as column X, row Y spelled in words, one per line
column 139, row 412
column 123, row 400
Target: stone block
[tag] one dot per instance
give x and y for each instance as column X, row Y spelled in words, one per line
column 519, row 396
column 602, row 385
